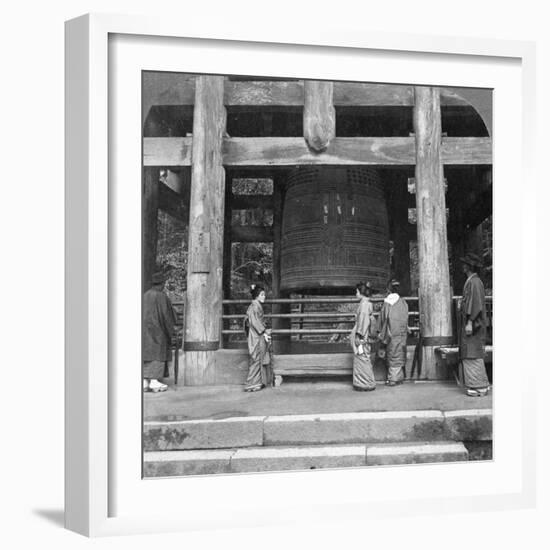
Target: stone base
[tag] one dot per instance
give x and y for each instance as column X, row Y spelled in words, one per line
column 230, row 366
column 416, row 453
column 273, row 459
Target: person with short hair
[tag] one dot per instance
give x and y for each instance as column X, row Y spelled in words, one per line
column 473, row 328
column 259, row 337
column 158, row 328
column 394, row 321
column 363, row 375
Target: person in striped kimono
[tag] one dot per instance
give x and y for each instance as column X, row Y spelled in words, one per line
column 394, row 321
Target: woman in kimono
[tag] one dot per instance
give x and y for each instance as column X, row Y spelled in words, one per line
column 473, row 328
column 394, row 321
column 259, row 337
column 363, row 375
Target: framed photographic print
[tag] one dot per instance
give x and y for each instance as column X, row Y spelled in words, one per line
column 286, row 275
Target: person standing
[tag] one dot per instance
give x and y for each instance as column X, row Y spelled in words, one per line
column 158, row 329
column 473, row 328
column 259, row 337
column 363, row 375
column 394, row 321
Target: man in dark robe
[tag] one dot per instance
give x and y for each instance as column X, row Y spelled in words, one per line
column 158, row 329
column 394, row 324
column 473, row 328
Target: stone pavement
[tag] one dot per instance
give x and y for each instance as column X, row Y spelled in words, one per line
column 311, row 425
column 298, row 398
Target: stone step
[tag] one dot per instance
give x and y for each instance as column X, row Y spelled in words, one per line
column 416, row 453
column 360, row 427
column 319, row 429
column 272, row 459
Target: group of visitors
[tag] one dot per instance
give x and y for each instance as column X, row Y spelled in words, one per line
column 388, row 334
column 389, row 331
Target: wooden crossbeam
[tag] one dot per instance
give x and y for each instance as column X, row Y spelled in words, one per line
column 160, row 88
column 341, row 151
column 383, row 151
column 240, row 94
column 179, row 89
column 167, row 151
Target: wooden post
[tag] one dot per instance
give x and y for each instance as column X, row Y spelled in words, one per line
column 227, row 240
column 456, row 237
column 226, row 275
column 206, row 228
column 319, row 114
column 401, row 233
column 433, row 260
column 280, row 344
column 149, row 227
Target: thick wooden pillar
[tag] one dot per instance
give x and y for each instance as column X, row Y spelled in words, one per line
column 433, row 259
column 206, row 228
column 319, row 114
column 150, row 207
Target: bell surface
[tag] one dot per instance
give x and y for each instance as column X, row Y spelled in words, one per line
column 335, row 230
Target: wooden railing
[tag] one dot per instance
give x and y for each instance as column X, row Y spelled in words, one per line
column 304, row 318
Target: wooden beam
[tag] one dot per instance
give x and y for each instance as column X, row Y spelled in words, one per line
column 227, row 252
column 167, row 151
column 179, row 89
column 467, row 150
column 287, row 151
column 319, row 114
column 149, row 224
column 251, row 234
column 349, row 151
column 342, row 151
column 161, row 88
column 267, row 93
column 360, row 94
column 206, row 233
column 433, row 260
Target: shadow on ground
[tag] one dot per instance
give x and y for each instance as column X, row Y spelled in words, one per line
column 56, row 517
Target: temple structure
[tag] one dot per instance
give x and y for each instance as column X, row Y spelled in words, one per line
column 362, row 178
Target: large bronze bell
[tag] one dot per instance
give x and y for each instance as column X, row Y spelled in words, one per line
column 335, row 230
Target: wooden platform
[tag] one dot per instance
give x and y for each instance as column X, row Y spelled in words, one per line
column 231, row 365
column 313, row 364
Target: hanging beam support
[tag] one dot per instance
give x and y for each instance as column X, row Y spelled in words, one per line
column 319, row 115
